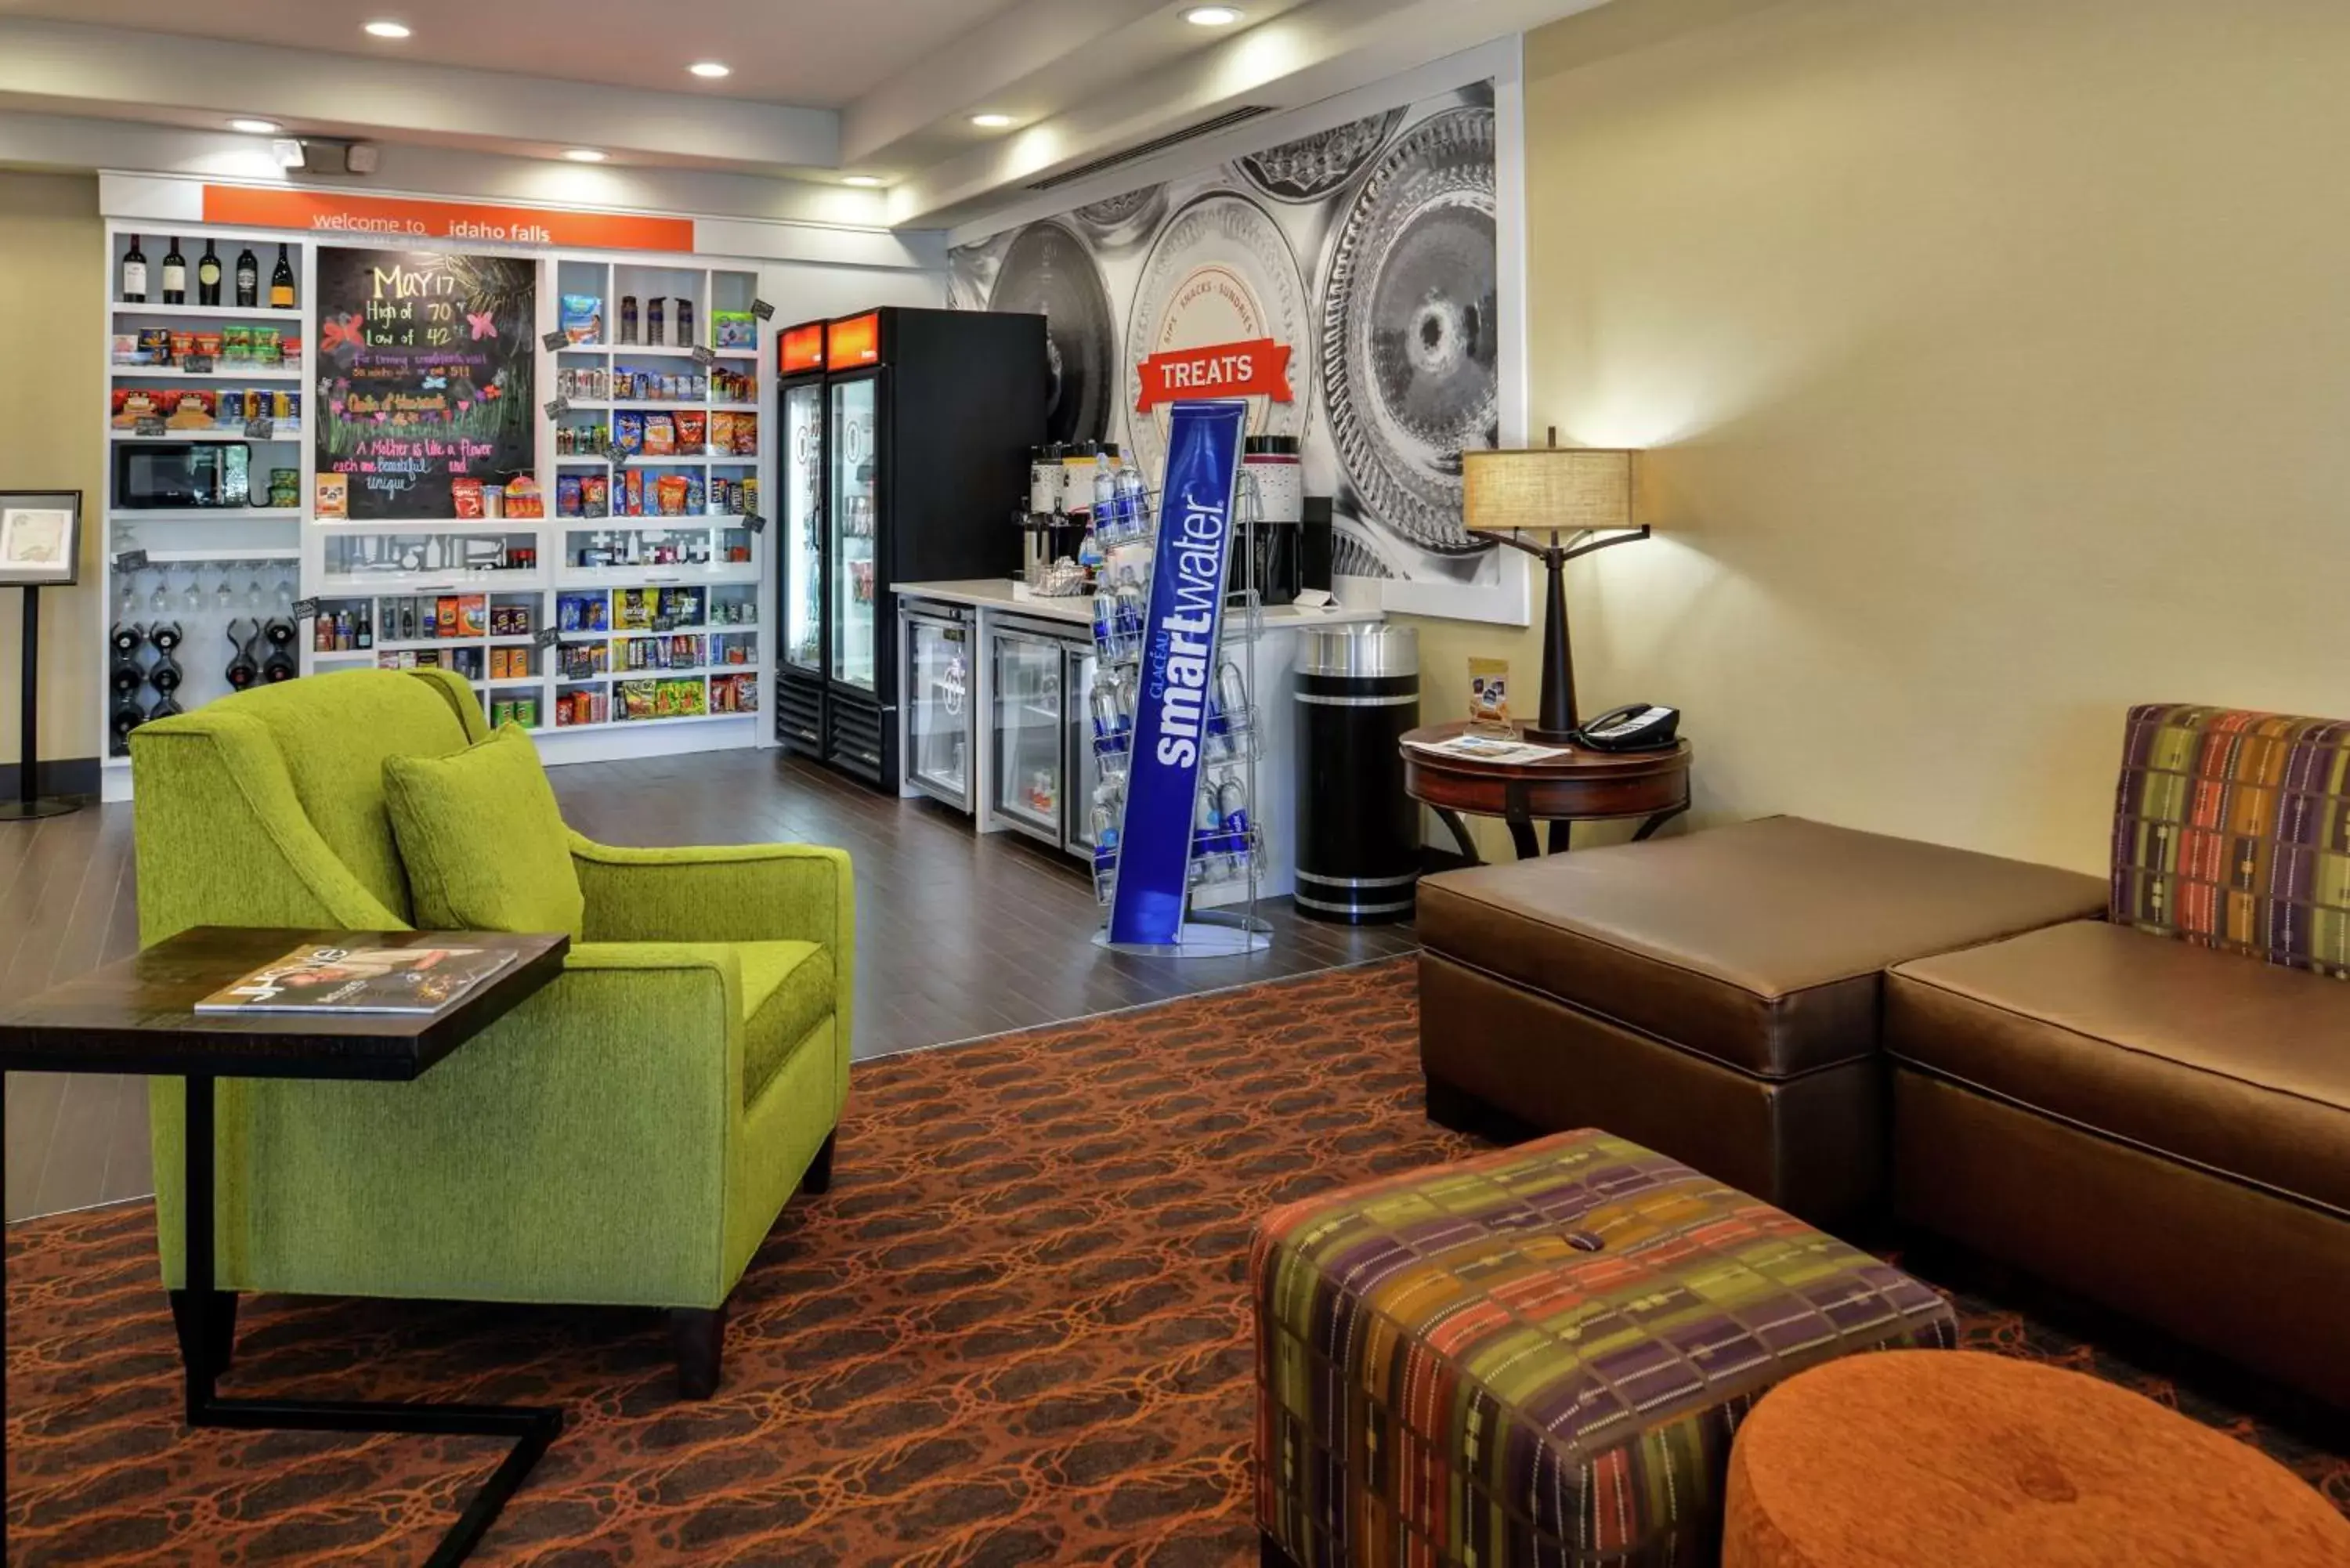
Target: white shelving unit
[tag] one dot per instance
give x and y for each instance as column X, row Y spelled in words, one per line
column 521, row 570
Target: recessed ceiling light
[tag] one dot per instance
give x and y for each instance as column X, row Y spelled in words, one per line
column 990, row 121
column 257, row 127
column 583, row 155
column 1211, row 16
column 859, row 180
column 387, row 29
column 710, row 69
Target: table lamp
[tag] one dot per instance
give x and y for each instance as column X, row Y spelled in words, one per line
column 1583, row 494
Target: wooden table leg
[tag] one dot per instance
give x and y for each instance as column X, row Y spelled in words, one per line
column 1521, row 834
column 1658, row 821
column 1459, row 831
column 1562, row 836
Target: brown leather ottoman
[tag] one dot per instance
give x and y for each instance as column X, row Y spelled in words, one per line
column 1714, row 997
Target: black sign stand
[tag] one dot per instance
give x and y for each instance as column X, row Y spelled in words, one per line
column 31, row 805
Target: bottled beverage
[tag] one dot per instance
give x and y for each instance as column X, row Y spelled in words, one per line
column 1109, row 720
column 1133, row 501
column 1127, row 688
column 365, row 636
column 1228, row 703
column 1232, row 808
column 1089, row 550
column 1105, row 631
column 281, row 282
column 685, row 324
column 1133, row 609
column 176, row 275
column 134, row 273
column 1108, row 803
column 208, row 276
column 248, row 279
column 656, row 312
column 1106, row 518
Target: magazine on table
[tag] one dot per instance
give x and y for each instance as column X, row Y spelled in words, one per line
column 316, row 979
column 1490, row 749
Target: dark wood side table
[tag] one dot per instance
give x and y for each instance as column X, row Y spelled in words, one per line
column 138, row 1017
column 1582, row 786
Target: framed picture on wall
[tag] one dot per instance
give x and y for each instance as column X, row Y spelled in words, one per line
column 40, row 537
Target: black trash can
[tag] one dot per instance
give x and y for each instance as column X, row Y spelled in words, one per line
column 1357, row 690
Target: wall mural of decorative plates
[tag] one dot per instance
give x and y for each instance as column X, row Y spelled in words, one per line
column 1409, row 331
column 1219, row 273
column 1369, row 249
column 1049, row 271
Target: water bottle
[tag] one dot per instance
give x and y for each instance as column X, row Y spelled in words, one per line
column 1128, row 689
column 1133, row 501
column 1106, row 613
column 1107, row 806
column 1207, row 833
column 1232, row 811
column 1229, row 703
column 1134, row 610
column 1110, row 720
column 1089, row 550
column 1106, row 518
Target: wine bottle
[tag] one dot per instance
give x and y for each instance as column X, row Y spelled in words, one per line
column 248, row 279
column 281, row 282
column 176, row 275
column 134, row 273
column 208, row 276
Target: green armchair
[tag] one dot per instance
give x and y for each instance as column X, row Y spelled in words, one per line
column 627, row 1136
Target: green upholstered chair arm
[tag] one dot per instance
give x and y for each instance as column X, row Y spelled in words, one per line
column 458, row 692
column 720, row 893
column 588, row 1144
column 222, row 841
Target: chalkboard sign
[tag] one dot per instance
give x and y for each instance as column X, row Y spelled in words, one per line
column 426, row 363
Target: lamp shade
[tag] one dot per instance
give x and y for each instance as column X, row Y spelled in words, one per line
column 1558, row 487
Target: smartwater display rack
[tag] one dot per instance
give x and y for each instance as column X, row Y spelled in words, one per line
column 1174, row 722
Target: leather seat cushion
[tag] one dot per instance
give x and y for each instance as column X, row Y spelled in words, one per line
column 2239, row 1067
column 1762, row 946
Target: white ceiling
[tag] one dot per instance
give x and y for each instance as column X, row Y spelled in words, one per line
column 821, row 54
column 820, row 89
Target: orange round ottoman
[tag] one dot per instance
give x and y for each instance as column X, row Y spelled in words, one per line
column 1905, row 1458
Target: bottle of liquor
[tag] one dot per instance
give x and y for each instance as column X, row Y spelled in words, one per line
column 176, row 275
column 208, row 276
column 281, row 282
column 134, row 273
column 248, row 279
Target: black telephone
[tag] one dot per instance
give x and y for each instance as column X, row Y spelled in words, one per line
column 1635, row 727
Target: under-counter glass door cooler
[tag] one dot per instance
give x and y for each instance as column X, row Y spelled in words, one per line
column 1030, row 772
column 942, row 689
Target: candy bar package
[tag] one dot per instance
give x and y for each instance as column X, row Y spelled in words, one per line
column 661, row 435
column 583, row 319
column 465, row 494
column 692, row 432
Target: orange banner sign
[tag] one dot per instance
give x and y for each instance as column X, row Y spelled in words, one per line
column 1258, row 369
column 400, row 218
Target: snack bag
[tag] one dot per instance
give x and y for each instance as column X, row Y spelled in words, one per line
column 672, row 491
column 595, row 495
column 465, row 498
column 633, row 491
column 628, row 430
column 692, row 432
column 746, row 435
column 661, row 435
column 331, row 495
column 568, row 496
column 722, row 431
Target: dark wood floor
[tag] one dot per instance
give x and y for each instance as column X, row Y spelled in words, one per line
column 958, row 936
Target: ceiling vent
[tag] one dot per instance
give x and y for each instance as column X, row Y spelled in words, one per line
column 1141, row 151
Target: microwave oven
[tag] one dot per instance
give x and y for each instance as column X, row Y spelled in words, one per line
column 192, row 474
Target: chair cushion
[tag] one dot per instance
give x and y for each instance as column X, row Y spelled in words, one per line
column 482, row 839
column 336, row 732
column 2237, row 1066
column 787, row 990
column 1761, row 944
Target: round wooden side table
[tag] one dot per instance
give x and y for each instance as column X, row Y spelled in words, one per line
column 1582, row 786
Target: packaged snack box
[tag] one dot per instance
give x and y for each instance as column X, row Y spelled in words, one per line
column 192, row 411
column 183, row 344
column 444, row 616
column 285, row 487
column 155, row 345
column 734, row 328
column 473, row 615
column 524, row 498
column 209, row 343
column 526, row 710
column 331, row 494
column 133, row 404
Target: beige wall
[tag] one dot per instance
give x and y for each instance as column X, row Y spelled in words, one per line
column 52, row 377
column 1996, row 359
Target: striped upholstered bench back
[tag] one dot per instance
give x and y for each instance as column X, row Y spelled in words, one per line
column 2232, row 829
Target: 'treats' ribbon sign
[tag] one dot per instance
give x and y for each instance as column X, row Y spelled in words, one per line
column 1257, row 369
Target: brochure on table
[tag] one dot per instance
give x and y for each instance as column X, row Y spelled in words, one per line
column 541, row 469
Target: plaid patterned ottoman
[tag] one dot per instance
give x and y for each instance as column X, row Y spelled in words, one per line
column 1537, row 1357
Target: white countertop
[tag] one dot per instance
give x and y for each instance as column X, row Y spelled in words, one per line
column 999, row 594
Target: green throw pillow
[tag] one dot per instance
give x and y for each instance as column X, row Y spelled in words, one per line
column 483, row 840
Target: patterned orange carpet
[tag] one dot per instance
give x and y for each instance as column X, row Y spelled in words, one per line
column 1014, row 1333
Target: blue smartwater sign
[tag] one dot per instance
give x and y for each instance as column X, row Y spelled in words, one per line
column 1178, row 672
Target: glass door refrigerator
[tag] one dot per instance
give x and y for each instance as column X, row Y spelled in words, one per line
column 1030, row 787
column 801, row 666
column 941, row 687
column 929, row 419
